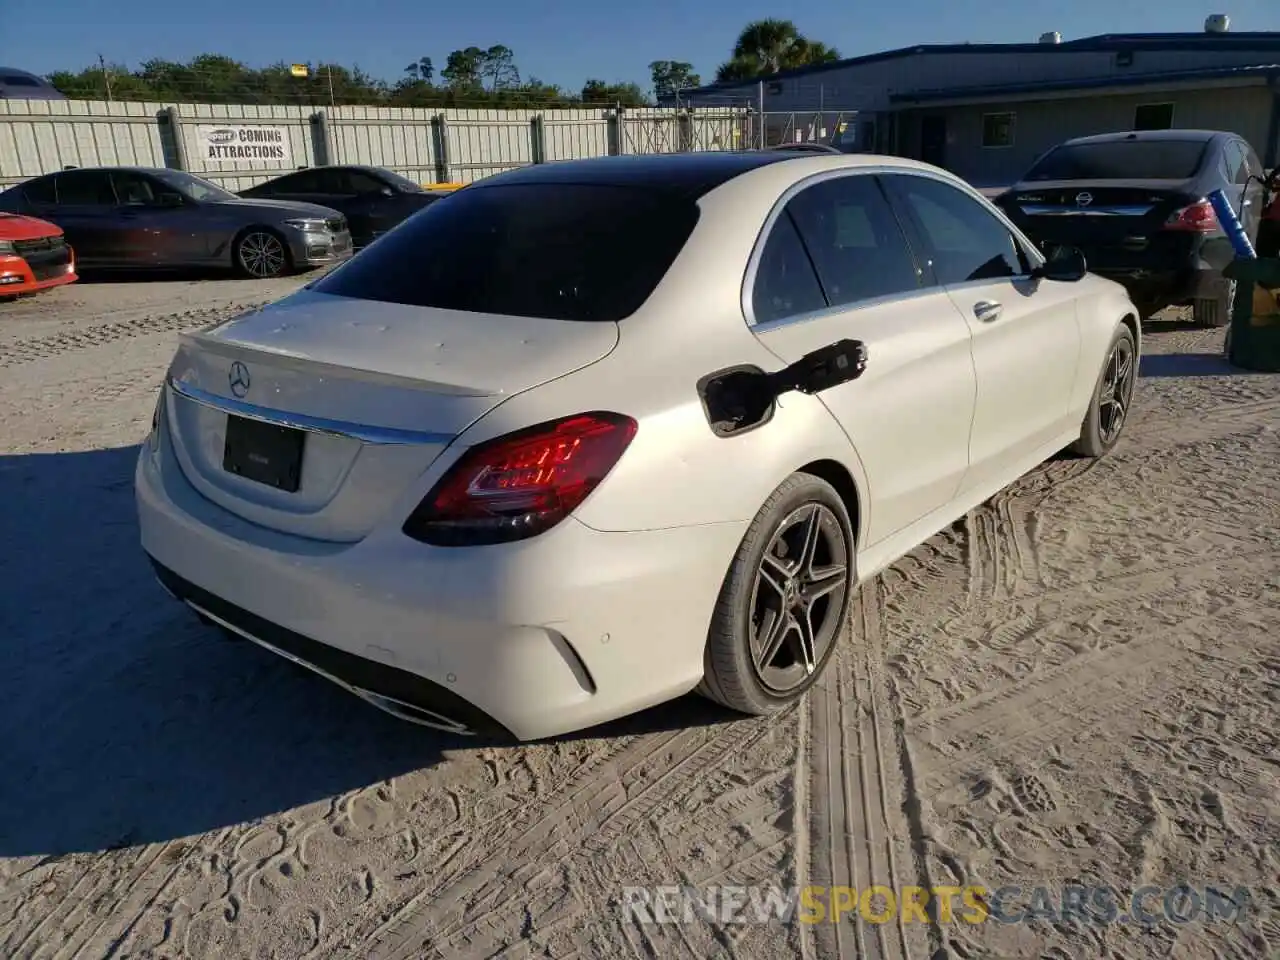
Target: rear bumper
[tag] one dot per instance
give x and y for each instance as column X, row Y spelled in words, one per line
column 398, row 691
column 17, row 275
column 1194, row 273
column 1166, row 287
column 537, row 638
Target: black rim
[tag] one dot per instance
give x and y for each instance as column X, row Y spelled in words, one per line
column 1117, row 389
column 798, row 596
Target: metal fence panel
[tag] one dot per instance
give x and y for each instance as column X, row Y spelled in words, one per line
column 576, row 134
column 397, row 138
column 485, row 142
column 40, row 136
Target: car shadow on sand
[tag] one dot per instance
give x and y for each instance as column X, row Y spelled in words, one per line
column 125, row 721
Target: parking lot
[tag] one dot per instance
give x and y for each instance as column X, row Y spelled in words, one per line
column 1079, row 684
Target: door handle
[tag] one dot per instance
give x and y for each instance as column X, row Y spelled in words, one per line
column 987, row 310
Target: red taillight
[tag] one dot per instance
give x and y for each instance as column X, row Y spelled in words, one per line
column 523, row 483
column 1197, row 218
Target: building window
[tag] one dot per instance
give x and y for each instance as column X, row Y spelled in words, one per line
column 997, row 129
column 1153, row 116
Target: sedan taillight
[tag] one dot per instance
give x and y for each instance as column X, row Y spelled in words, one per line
column 521, row 484
column 1197, row 218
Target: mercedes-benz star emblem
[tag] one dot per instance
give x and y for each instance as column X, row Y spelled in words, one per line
column 239, row 379
column 1084, row 199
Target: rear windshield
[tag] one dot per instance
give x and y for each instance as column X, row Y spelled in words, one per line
column 558, row 251
column 1121, row 160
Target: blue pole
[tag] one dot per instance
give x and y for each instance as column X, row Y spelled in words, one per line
column 1232, row 226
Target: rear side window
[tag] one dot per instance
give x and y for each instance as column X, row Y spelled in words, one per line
column 1121, row 160
column 87, row 188
column 40, row 191
column 853, row 236
column 785, row 284
column 585, row 252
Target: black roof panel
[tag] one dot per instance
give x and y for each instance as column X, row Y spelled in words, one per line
column 690, row 174
column 1195, row 136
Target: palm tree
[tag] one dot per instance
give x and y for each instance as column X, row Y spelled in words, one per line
column 765, row 47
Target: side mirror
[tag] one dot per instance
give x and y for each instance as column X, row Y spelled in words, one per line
column 169, row 200
column 386, row 192
column 1064, row 264
column 741, row 398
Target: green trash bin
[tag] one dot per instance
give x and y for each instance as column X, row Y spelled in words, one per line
column 1253, row 336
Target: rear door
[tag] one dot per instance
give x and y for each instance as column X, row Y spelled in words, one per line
column 302, row 186
column 86, row 212
column 836, row 265
column 370, row 210
column 1026, row 340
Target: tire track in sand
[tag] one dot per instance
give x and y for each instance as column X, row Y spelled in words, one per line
column 851, row 782
column 626, row 781
column 55, row 345
column 499, row 903
column 1085, row 690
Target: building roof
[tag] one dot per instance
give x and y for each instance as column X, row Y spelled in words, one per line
column 1085, row 83
column 1257, row 40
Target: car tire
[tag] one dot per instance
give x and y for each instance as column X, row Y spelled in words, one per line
column 771, row 577
column 1210, row 312
column 1117, row 382
column 261, row 253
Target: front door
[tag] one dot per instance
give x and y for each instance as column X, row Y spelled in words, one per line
column 836, row 265
column 1026, row 339
column 157, row 225
column 933, row 139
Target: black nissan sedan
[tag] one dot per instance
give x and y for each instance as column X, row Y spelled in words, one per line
column 1136, row 204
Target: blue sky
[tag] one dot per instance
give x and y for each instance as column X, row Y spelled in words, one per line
column 564, row 42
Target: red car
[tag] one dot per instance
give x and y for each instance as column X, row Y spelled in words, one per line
column 34, row 256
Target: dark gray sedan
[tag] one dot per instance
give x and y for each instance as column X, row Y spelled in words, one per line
column 143, row 217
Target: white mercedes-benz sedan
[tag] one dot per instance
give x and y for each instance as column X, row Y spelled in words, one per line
column 590, row 435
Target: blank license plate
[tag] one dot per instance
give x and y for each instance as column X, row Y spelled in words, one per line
column 264, row 453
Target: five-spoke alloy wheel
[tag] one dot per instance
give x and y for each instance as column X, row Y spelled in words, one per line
column 785, row 601
column 1112, row 397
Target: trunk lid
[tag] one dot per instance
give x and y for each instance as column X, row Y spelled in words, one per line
column 377, row 390
column 1118, row 224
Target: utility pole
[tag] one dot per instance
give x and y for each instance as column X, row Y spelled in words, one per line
column 328, row 69
column 105, row 75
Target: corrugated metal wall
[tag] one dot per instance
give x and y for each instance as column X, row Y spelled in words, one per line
column 1039, row 125
column 40, row 136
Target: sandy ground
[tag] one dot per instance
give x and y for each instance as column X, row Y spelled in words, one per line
column 1080, row 684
